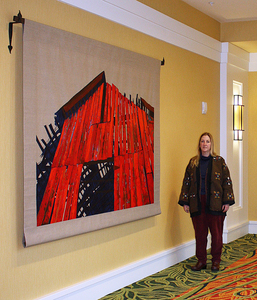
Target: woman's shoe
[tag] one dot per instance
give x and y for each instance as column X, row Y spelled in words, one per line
column 215, row 266
column 199, row 266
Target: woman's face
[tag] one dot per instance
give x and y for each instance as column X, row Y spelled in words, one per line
column 205, row 145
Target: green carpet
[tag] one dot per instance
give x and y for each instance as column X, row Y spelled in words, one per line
column 178, row 279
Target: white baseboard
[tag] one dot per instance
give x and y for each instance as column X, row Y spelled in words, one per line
column 253, row 227
column 235, row 232
column 102, row 285
column 97, row 287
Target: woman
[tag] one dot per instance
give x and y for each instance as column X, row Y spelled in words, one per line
column 207, row 193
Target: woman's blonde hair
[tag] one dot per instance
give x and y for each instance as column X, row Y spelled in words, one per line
column 195, row 160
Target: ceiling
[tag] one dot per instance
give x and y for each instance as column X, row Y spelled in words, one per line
column 229, row 11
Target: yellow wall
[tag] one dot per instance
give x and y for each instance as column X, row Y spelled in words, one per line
column 252, row 148
column 241, row 34
column 238, row 31
column 186, row 80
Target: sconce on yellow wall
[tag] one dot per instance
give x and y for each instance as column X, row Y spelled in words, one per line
column 238, row 125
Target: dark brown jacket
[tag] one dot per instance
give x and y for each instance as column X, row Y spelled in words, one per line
column 219, row 189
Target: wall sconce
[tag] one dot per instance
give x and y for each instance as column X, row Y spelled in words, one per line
column 238, row 125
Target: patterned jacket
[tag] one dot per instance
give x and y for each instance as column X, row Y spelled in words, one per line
column 219, row 189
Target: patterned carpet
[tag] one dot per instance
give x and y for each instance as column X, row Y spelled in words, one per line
column 237, row 278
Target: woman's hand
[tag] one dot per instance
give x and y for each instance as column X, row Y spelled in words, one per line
column 225, row 207
column 186, row 208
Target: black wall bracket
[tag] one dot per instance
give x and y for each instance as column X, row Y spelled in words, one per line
column 16, row 20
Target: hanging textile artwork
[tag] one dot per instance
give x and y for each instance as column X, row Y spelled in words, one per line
column 91, row 153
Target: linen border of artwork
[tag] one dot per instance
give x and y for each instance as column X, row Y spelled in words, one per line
column 91, row 134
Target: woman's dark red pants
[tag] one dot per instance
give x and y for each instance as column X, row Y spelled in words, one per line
column 201, row 225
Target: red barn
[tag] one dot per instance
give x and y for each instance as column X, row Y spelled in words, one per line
column 103, row 158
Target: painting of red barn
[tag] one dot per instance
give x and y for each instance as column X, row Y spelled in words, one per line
column 99, row 157
column 91, row 135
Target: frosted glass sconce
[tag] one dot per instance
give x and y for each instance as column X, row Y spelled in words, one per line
column 238, row 126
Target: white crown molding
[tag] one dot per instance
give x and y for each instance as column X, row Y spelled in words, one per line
column 142, row 18
column 235, row 56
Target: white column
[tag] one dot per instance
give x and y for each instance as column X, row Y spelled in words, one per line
column 234, row 68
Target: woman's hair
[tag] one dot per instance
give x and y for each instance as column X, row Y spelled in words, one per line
column 195, row 160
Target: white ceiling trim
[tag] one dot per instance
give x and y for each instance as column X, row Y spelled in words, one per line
column 228, row 10
column 142, row 18
column 235, row 56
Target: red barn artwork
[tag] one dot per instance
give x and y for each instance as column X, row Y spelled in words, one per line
column 99, row 157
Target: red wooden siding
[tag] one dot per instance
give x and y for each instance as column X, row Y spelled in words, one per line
column 123, row 131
